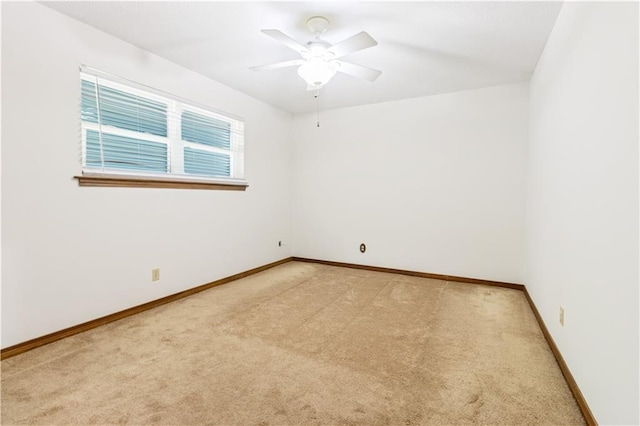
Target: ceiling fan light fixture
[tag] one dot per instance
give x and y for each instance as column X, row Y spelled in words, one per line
column 318, row 72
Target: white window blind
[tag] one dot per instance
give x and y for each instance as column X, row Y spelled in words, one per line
column 131, row 129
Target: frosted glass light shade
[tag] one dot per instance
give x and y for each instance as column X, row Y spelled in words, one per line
column 317, row 72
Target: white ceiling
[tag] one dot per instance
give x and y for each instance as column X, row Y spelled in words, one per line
column 424, row 48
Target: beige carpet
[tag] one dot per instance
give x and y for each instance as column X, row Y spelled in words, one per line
column 303, row 344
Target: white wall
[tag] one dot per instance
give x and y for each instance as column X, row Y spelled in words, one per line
column 433, row 184
column 583, row 200
column 72, row 254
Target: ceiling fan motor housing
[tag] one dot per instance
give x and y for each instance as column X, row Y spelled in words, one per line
column 318, row 49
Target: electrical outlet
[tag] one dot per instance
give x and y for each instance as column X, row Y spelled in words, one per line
column 561, row 316
column 155, row 274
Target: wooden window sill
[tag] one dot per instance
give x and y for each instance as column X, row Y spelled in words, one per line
column 157, row 182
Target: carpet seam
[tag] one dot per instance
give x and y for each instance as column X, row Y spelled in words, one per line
column 257, row 304
column 342, row 329
column 428, row 335
column 320, row 310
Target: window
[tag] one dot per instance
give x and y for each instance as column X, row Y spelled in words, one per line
column 134, row 133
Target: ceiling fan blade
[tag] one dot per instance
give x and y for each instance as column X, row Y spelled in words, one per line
column 286, row 40
column 359, row 41
column 359, row 71
column 278, row 65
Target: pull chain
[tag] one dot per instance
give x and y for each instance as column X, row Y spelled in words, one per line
column 318, row 107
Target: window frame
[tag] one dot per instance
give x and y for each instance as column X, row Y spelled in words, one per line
column 175, row 176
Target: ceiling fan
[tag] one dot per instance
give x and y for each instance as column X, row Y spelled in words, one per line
column 319, row 61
